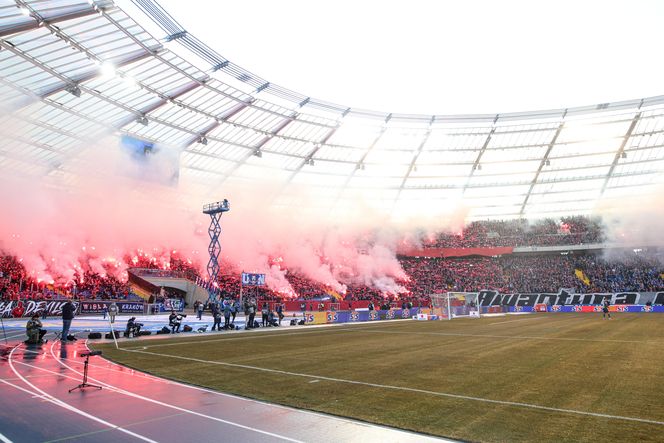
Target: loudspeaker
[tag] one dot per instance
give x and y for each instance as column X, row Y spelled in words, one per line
column 94, row 335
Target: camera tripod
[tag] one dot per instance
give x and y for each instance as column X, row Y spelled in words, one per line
column 85, row 383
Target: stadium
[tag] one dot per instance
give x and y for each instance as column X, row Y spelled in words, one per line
column 217, row 256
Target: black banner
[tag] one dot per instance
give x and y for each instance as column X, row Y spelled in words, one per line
column 27, row 308
column 92, row 307
column 494, row 298
column 124, row 307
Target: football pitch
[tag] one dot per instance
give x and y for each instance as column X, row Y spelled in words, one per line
column 541, row 377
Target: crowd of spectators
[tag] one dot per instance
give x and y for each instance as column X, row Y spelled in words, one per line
column 623, row 271
column 572, row 230
column 532, row 273
column 16, row 283
column 631, row 270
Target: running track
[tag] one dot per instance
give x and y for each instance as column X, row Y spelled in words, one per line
column 133, row 406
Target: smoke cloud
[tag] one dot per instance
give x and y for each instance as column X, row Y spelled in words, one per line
column 88, row 208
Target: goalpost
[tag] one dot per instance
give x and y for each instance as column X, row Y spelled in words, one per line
column 151, row 309
column 451, row 305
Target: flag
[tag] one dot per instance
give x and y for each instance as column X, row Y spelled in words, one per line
column 582, row 276
column 334, row 294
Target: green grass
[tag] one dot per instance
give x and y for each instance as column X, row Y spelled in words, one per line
column 567, row 361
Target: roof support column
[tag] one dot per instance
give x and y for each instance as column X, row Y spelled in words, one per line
column 544, row 161
column 621, row 151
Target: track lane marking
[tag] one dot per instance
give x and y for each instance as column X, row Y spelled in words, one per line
column 69, row 407
column 177, row 408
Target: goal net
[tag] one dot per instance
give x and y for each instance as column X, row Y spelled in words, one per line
column 451, row 305
column 151, row 309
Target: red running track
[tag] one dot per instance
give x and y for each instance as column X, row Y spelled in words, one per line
column 134, row 406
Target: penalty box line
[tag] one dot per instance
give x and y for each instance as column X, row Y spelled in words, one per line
column 407, row 389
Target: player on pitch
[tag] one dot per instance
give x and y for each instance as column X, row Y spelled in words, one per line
column 605, row 308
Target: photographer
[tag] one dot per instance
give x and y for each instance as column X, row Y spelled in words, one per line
column 250, row 310
column 227, row 314
column 174, row 321
column 216, row 315
column 68, row 312
column 280, row 312
column 272, row 319
column 133, row 328
column 265, row 311
column 34, row 331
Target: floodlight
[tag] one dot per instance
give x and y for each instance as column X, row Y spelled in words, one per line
column 74, row 90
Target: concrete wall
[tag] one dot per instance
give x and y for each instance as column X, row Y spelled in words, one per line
column 194, row 292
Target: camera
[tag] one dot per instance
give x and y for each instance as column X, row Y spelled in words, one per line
column 90, row 354
column 182, row 315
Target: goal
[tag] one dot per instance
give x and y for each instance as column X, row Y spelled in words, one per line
column 451, row 305
column 151, row 309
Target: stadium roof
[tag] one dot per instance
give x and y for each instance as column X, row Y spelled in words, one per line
column 71, row 71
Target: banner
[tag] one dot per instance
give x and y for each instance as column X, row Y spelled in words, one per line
column 316, row 318
column 27, row 308
column 612, row 308
column 564, row 297
column 92, row 307
column 171, row 304
column 458, row 252
column 130, row 307
column 253, row 279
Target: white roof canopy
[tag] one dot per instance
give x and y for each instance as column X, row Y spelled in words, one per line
column 71, row 71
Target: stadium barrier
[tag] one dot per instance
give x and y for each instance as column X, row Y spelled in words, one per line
column 27, row 308
column 565, row 298
column 612, row 308
column 327, row 317
column 584, row 308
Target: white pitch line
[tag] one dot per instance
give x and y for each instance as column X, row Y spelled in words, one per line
column 4, row 439
column 248, row 337
column 407, row 389
column 70, row 407
column 177, row 408
column 510, row 321
column 278, row 406
column 524, row 337
column 256, row 334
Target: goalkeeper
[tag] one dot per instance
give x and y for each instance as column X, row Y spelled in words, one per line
column 605, row 308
